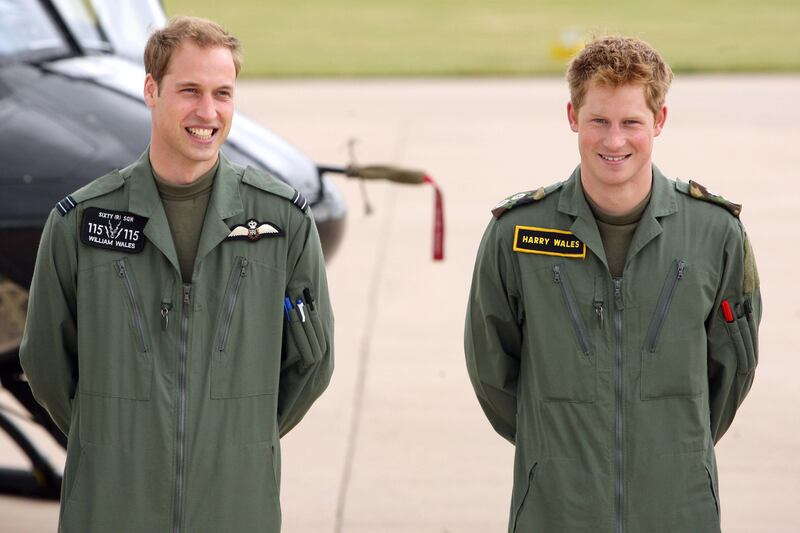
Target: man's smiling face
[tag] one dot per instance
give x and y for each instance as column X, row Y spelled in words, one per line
column 191, row 110
column 615, row 130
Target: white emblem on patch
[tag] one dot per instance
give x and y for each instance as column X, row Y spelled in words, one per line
column 254, row 230
column 518, row 196
column 113, row 231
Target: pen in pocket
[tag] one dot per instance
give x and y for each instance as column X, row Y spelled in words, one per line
column 287, row 308
column 727, row 313
column 309, row 298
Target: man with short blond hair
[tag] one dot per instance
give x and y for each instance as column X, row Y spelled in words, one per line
column 611, row 329
column 201, row 32
column 179, row 322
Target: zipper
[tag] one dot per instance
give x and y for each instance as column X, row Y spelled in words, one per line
column 572, row 308
column 713, row 492
column 231, row 295
column 599, row 310
column 138, row 320
column 531, row 475
column 618, row 492
column 181, row 434
column 664, row 303
column 166, row 307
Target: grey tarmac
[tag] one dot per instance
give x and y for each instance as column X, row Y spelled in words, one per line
column 400, row 422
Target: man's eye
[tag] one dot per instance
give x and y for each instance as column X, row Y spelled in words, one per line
column 189, row 90
column 599, row 121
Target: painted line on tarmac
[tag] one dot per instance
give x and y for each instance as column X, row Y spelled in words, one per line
column 373, row 300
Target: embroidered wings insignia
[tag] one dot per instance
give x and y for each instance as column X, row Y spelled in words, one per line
column 254, row 230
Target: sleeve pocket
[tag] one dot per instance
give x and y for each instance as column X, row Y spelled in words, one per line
column 752, row 327
column 738, row 345
column 315, row 324
column 749, row 342
column 309, row 328
column 303, row 341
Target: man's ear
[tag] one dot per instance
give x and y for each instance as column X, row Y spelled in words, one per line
column 661, row 118
column 572, row 116
column 150, row 91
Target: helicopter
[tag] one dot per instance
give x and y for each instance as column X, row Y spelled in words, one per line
column 72, row 110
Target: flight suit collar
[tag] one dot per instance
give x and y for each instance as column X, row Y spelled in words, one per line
column 225, row 199
column 663, row 202
column 144, row 200
column 225, row 203
column 572, row 201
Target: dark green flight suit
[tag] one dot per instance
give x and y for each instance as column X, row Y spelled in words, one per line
column 174, row 395
column 614, row 390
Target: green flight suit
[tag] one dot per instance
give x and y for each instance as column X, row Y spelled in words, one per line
column 174, row 395
column 613, row 390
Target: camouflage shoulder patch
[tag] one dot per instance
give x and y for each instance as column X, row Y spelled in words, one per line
column 699, row 192
column 751, row 281
column 523, row 198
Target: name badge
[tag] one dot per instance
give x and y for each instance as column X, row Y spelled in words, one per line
column 546, row 241
column 113, row 230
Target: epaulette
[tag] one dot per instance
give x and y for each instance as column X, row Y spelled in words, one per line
column 699, row 192
column 66, row 204
column 105, row 184
column 269, row 183
column 523, row 198
column 300, row 201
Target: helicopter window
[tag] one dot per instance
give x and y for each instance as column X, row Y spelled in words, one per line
column 25, row 28
column 128, row 24
column 82, row 22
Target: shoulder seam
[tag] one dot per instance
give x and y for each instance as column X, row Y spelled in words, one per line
column 697, row 191
column 93, row 189
column 260, row 180
column 524, row 198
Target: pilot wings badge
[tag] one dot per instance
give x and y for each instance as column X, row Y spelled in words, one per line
column 254, row 230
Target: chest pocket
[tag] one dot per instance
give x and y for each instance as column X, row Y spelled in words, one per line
column 564, row 361
column 248, row 334
column 115, row 347
column 674, row 349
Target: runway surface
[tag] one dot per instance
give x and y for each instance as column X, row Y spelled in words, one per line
column 398, row 444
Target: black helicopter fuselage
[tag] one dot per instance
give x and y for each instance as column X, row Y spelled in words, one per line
column 61, row 131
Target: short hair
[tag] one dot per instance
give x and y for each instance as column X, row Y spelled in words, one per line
column 614, row 61
column 202, row 32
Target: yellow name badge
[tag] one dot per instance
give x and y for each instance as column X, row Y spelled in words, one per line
column 545, row 241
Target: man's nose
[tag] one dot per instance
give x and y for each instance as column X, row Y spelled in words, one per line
column 206, row 108
column 615, row 138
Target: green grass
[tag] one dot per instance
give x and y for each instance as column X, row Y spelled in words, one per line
column 292, row 38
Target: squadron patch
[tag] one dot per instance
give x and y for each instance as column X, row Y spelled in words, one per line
column 545, row 241
column 254, row 230
column 113, row 230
